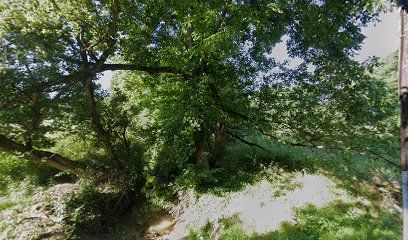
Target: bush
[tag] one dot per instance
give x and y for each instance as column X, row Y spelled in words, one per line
column 89, row 209
column 97, row 204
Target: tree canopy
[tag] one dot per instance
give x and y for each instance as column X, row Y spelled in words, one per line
column 194, row 75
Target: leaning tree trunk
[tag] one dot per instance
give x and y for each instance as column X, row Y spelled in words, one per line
column 102, row 134
column 49, row 158
column 403, row 94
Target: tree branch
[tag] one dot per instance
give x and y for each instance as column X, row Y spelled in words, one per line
column 132, row 67
column 112, row 29
column 95, row 68
column 51, row 159
column 71, row 78
column 244, row 141
column 372, row 153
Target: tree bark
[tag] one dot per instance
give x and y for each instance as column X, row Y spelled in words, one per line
column 35, row 119
column 200, row 151
column 403, row 94
column 220, row 142
column 51, row 159
column 96, row 123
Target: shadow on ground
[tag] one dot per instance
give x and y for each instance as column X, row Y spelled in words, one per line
column 339, row 220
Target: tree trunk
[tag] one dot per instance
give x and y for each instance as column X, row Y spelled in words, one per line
column 403, row 94
column 220, row 142
column 51, row 159
column 100, row 131
column 35, row 122
column 200, row 151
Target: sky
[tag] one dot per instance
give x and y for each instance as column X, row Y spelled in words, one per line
column 381, row 40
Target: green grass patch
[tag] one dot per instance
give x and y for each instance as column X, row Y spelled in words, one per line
column 336, row 221
column 5, row 204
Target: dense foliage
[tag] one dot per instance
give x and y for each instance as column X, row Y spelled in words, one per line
column 219, row 75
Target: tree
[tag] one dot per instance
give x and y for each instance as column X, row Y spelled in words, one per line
column 205, row 70
column 231, row 81
column 53, row 53
column 403, row 95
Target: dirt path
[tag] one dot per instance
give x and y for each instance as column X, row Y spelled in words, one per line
column 257, row 206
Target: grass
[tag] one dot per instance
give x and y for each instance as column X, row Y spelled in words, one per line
column 19, row 178
column 14, row 170
column 336, row 221
column 361, row 176
column 242, row 165
column 5, row 204
column 340, row 221
column 245, row 165
column 18, row 198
